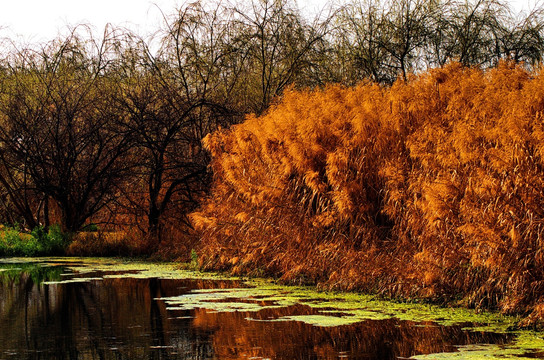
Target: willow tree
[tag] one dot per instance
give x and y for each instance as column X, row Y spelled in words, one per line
column 282, row 49
column 61, row 128
column 172, row 98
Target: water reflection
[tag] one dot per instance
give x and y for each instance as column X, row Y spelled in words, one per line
column 120, row 318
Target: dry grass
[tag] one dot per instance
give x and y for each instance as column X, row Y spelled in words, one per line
column 107, row 243
column 432, row 188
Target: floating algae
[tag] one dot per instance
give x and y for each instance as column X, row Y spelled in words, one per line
column 266, row 294
column 322, row 320
column 525, row 345
column 234, row 299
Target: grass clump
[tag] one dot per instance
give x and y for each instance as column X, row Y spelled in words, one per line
column 107, row 243
column 39, row 242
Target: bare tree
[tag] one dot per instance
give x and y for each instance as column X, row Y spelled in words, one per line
column 279, row 44
column 472, row 27
column 172, row 100
column 358, row 43
column 59, row 122
column 523, row 39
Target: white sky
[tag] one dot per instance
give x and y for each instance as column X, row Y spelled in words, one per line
column 35, row 21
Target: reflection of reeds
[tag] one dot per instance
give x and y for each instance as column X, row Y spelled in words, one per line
column 237, row 338
column 431, row 188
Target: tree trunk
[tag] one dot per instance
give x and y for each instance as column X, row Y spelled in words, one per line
column 153, row 218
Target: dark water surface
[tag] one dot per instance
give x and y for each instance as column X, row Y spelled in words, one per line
column 127, row 318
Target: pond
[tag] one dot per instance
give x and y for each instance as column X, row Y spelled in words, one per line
column 67, row 308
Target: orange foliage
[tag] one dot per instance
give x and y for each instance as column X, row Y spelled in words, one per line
column 432, row 188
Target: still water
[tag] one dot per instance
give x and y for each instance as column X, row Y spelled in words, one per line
column 70, row 310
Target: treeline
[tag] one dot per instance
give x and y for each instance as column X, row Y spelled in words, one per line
column 108, row 131
column 432, row 188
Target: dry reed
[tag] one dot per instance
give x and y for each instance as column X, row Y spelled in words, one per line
column 432, row 188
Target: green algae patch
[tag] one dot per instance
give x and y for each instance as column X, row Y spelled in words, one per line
column 322, row 320
column 217, row 307
column 123, row 268
column 356, row 307
column 319, row 320
column 525, row 344
column 227, row 300
column 367, row 307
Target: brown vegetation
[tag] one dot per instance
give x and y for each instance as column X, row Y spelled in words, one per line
column 424, row 185
column 431, row 188
column 109, row 131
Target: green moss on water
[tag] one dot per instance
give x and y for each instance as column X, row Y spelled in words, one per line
column 522, row 348
column 235, row 299
column 322, row 320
